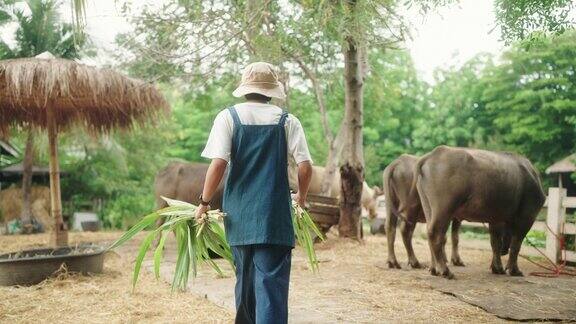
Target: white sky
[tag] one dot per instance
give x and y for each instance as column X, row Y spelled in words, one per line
column 454, row 35
column 449, row 36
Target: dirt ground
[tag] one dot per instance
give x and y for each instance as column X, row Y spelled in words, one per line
column 355, row 277
column 353, row 285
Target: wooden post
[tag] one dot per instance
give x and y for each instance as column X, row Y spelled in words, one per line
column 28, row 165
column 60, row 230
column 555, row 220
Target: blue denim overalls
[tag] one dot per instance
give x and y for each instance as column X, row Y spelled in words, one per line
column 259, row 222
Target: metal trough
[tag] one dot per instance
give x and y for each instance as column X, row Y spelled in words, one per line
column 33, row 266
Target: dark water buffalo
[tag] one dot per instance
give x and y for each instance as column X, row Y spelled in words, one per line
column 502, row 189
column 184, row 181
column 398, row 178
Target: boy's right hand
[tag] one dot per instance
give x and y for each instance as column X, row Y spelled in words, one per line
column 299, row 199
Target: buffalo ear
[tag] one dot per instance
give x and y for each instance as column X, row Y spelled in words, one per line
column 377, row 191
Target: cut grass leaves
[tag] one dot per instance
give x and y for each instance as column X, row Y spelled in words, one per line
column 196, row 238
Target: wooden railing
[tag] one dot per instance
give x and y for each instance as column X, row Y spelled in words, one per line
column 557, row 203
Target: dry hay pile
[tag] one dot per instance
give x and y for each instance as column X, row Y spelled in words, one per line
column 11, row 204
column 102, row 298
column 12, row 243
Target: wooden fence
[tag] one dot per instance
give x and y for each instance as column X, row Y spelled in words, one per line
column 557, row 203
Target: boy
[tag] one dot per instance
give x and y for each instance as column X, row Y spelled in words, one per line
column 256, row 138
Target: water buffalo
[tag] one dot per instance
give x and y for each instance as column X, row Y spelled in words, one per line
column 184, row 181
column 368, row 194
column 397, row 179
column 501, row 189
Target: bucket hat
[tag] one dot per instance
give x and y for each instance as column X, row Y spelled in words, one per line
column 261, row 78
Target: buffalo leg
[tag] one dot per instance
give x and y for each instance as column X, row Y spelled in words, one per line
column 407, row 233
column 526, row 218
column 512, row 265
column 455, row 238
column 428, row 215
column 515, row 243
column 506, row 237
column 391, row 222
column 437, row 229
column 496, row 235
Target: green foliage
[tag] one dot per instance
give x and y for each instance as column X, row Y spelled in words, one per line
column 525, row 103
column 536, row 238
column 393, row 97
column 531, row 98
column 518, row 19
column 455, row 112
column 533, row 238
column 477, row 104
column 39, row 30
column 119, row 169
column 193, row 114
column 6, row 160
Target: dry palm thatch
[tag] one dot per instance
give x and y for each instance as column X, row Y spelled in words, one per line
column 98, row 99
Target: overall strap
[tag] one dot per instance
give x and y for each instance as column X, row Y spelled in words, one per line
column 235, row 117
column 283, row 118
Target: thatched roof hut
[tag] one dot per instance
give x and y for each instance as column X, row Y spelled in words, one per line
column 98, row 99
column 564, row 169
column 566, row 165
column 54, row 94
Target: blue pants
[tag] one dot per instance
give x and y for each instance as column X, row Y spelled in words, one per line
column 262, row 280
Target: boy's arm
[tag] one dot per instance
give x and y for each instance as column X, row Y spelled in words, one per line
column 304, row 178
column 214, row 175
column 218, row 150
column 298, row 147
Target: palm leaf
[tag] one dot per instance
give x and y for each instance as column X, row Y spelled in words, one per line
column 303, row 226
column 140, row 258
column 178, row 203
column 158, row 254
column 141, row 225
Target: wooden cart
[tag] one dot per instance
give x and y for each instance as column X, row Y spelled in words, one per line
column 324, row 210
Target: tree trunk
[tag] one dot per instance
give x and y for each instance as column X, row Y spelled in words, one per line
column 26, row 214
column 352, row 168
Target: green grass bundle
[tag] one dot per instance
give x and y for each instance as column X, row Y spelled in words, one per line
column 304, row 226
column 194, row 240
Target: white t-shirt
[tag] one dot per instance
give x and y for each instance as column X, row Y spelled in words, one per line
column 219, row 142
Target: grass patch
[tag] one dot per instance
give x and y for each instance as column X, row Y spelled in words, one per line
column 534, row 237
